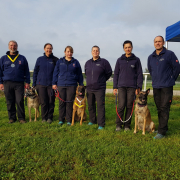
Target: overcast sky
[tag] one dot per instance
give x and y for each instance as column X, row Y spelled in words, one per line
column 83, row 24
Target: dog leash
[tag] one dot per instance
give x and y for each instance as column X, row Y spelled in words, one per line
column 131, row 111
column 57, row 95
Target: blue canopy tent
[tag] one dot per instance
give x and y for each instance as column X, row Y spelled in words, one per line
column 173, row 33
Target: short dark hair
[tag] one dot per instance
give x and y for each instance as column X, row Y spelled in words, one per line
column 127, row 42
column 95, row 47
column 159, row 36
column 48, row 44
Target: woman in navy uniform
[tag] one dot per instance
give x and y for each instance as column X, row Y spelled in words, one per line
column 67, row 75
column 128, row 79
column 42, row 79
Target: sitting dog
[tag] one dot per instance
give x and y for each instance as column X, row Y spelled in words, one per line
column 79, row 106
column 142, row 114
column 33, row 102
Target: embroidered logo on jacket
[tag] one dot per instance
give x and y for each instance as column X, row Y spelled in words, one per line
column 7, row 62
column 132, row 66
column 19, row 62
column 73, row 65
column 162, row 59
column 51, row 62
column 98, row 65
column 61, row 63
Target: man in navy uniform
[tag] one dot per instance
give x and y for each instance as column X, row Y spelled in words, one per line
column 98, row 71
column 14, row 71
column 164, row 69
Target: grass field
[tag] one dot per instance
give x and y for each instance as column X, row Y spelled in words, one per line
column 109, row 85
column 42, row 151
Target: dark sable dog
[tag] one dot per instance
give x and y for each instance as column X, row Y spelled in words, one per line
column 142, row 114
column 79, row 106
column 33, row 102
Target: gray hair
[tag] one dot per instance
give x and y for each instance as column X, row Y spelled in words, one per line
column 95, row 47
column 13, row 42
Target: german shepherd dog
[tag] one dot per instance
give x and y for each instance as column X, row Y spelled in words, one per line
column 142, row 114
column 33, row 102
column 79, row 106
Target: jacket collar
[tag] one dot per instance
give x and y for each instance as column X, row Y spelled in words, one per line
column 162, row 52
column 123, row 57
column 8, row 53
column 96, row 60
column 72, row 60
column 51, row 55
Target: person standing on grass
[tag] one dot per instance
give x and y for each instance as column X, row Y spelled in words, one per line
column 164, row 69
column 67, row 75
column 97, row 71
column 128, row 80
column 14, row 71
column 42, row 80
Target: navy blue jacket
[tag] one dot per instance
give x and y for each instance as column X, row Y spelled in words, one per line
column 164, row 68
column 19, row 73
column 97, row 73
column 67, row 73
column 128, row 72
column 43, row 70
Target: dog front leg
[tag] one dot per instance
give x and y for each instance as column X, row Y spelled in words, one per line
column 82, row 115
column 74, row 111
column 38, row 112
column 144, row 127
column 29, row 109
column 35, row 114
column 135, row 127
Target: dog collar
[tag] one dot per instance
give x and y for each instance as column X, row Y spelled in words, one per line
column 30, row 96
column 142, row 105
column 80, row 96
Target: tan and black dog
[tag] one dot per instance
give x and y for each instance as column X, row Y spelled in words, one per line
column 79, row 106
column 142, row 114
column 33, row 102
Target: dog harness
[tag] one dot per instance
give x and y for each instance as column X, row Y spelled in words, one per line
column 79, row 102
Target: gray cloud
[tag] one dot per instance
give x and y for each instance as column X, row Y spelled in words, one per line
column 83, row 24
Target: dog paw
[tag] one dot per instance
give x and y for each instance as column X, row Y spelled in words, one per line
column 135, row 132
column 143, row 133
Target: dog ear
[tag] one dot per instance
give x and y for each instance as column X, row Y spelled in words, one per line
column 147, row 91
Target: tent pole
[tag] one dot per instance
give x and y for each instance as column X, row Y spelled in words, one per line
column 166, row 45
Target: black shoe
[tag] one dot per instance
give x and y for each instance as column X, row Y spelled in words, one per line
column 49, row 121
column 118, row 128
column 43, row 121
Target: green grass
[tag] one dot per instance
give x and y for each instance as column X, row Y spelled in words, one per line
column 42, row 151
column 109, row 85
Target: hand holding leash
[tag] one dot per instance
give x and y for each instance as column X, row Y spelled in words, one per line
column 27, row 86
column 115, row 92
column 2, row 87
column 54, row 87
column 137, row 91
